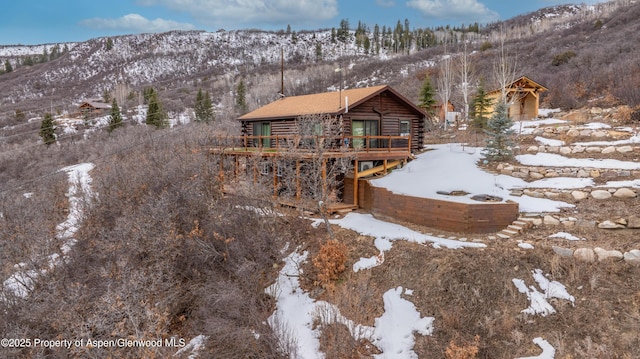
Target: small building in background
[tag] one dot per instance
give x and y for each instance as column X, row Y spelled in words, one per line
column 523, row 97
column 94, row 108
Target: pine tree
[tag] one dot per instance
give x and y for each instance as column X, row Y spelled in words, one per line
column 109, row 44
column 498, row 146
column 480, row 109
column 203, row 107
column 427, row 94
column 115, row 120
column 241, row 97
column 7, row 66
column 47, row 129
column 155, row 115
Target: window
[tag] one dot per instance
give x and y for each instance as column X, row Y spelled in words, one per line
column 405, row 128
column 364, row 128
column 262, row 129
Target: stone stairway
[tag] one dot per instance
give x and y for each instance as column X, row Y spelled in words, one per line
column 518, row 226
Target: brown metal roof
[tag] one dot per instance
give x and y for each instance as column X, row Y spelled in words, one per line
column 328, row 103
column 526, row 79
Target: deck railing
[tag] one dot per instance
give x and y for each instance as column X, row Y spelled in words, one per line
column 314, row 143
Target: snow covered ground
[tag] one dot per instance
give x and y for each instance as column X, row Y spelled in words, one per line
column 445, row 168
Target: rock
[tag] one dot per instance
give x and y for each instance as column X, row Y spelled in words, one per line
column 624, row 149
column 565, row 150
column 551, row 174
column 532, row 149
column 537, row 222
column 520, row 174
column 632, row 257
column 599, row 134
column 624, row 173
column 563, row 252
column 552, row 195
column 573, row 133
column 622, row 221
column 594, row 149
column 578, row 195
column 594, row 173
column 586, row 224
column 578, row 149
column 604, row 254
column 582, row 174
column 600, row 194
column 505, row 172
column 553, row 149
column 624, row 193
column 610, row 225
column 550, row 220
column 609, row 174
column 585, row 133
column 568, row 224
column 533, row 193
column 536, row 175
column 585, row 254
column 633, row 222
column 500, row 166
column 608, row 150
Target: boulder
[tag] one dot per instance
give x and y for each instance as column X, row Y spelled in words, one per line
column 532, row 149
column 600, row 194
column 563, row 252
column 594, row 173
column 624, row 149
column 624, row 193
column 573, row 133
column 632, row 257
column 578, row 149
column 551, row 220
column 599, row 134
column 551, row 174
column 633, row 222
column 578, row 195
column 533, row 193
column 536, row 175
column 584, row 254
column 610, row 225
column 608, row 150
column 565, row 150
column 604, row 254
column 594, row 149
column 582, row 173
column 586, row 224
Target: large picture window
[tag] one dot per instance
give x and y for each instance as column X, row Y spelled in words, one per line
column 364, row 128
column 404, row 128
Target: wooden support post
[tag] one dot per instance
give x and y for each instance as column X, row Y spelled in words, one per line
column 298, row 189
column 324, row 178
column 384, row 166
column 275, row 178
column 355, row 183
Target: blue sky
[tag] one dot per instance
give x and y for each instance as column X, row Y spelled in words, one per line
column 48, row 21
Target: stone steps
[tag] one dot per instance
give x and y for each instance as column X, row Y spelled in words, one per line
column 515, row 228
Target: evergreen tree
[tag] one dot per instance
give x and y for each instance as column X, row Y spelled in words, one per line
column 241, row 97
column 47, row 129
column 115, row 120
column 498, row 146
column 203, row 107
column 480, row 107
column 427, row 96
column 109, row 44
column 147, row 92
column 318, row 51
column 155, row 115
column 7, row 66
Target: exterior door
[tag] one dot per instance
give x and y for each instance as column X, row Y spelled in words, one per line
column 262, row 129
column 364, row 128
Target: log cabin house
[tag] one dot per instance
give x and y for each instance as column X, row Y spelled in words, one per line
column 523, row 97
column 94, row 108
column 378, row 130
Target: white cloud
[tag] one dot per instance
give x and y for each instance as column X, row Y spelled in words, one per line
column 236, row 13
column 462, row 10
column 135, row 22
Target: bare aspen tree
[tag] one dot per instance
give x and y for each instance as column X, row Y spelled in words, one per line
column 445, row 82
column 465, row 75
column 504, row 69
column 316, row 161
